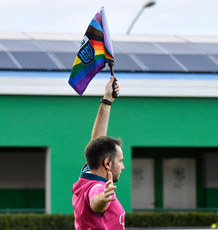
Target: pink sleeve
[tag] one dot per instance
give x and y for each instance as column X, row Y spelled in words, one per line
column 96, row 189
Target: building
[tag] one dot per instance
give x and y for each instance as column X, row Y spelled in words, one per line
column 166, row 115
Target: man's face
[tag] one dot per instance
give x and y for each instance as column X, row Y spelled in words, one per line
column 117, row 164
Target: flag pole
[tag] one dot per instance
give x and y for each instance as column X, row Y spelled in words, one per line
column 111, row 65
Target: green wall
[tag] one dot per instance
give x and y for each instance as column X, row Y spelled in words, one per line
column 64, row 125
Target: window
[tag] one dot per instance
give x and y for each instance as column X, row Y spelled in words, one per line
column 24, row 179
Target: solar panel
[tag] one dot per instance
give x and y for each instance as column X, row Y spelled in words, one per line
column 197, row 63
column 129, row 55
column 35, row 60
column 124, row 63
column 61, row 46
column 6, row 62
column 138, row 47
column 67, row 59
column 211, row 48
column 159, row 62
column 20, row 45
column 179, row 48
column 216, row 57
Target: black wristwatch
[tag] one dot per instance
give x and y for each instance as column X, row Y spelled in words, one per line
column 105, row 101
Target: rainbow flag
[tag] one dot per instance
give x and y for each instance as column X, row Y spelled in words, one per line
column 95, row 50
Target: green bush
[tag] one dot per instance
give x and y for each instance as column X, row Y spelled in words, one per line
column 172, row 219
column 36, row 222
column 137, row 219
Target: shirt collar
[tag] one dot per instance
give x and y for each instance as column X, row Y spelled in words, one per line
column 90, row 176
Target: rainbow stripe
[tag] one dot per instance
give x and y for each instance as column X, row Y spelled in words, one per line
column 95, row 50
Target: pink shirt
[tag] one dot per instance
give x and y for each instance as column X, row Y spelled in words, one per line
column 84, row 190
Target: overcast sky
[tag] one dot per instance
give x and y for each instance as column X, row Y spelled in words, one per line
column 167, row 17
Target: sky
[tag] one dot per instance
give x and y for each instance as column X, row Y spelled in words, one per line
column 166, row 17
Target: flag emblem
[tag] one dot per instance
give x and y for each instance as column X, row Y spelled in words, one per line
column 86, row 52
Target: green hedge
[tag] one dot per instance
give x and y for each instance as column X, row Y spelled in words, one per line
column 138, row 219
column 171, row 219
column 36, row 222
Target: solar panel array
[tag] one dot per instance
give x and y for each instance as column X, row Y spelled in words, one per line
column 59, row 55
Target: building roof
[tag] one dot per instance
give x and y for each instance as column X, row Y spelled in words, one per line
column 56, row 52
column 163, row 66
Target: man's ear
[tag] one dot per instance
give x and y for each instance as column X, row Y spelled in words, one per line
column 107, row 161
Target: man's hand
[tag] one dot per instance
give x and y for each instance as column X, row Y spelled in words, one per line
column 101, row 200
column 109, row 189
column 109, row 89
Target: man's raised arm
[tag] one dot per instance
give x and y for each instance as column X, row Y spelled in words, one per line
column 101, row 122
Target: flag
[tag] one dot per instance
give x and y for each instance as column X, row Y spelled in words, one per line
column 95, row 50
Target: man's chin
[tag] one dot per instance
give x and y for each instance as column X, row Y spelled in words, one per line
column 116, row 180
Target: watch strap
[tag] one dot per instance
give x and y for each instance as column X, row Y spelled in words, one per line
column 105, row 101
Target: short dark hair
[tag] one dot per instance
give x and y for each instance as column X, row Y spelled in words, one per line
column 100, row 148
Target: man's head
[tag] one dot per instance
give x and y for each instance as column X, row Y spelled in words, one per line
column 105, row 151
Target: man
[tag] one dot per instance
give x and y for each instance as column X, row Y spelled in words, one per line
column 94, row 200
